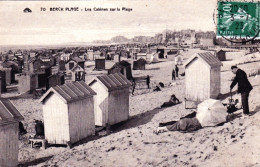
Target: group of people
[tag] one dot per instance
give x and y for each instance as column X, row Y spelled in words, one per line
column 191, row 123
column 39, row 129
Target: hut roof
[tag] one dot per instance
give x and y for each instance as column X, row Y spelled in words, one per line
column 122, row 63
column 76, row 59
column 220, row 50
column 97, row 53
column 141, row 60
column 77, row 67
column 207, row 57
column 8, row 112
column 112, row 81
column 57, row 74
column 70, row 92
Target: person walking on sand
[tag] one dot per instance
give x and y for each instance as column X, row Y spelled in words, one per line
column 244, row 87
column 148, row 81
column 177, row 71
column 133, row 86
column 173, row 74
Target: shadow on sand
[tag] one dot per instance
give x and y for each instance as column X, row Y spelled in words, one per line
column 157, row 68
column 133, row 121
column 35, row 162
column 257, row 109
column 136, row 120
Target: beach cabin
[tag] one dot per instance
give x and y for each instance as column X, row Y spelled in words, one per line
column 112, row 99
column 41, row 69
column 97, row 55
column 110, row 55
column 9, row 133
column 221, row 55
column 141, row 55
column 55, row 79
column 139, row 64
column 61, row 65
column 90, row 55
column 78, row 73
column 122, row 67
column 15, row 69
column 202, row 77
column 27, row 82
column 100, row 64
column 117, row 58
column 68, row 113
column 73, row 62
column 7, row 72
column 3, row 81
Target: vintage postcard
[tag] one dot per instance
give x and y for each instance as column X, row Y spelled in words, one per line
column 129, row 83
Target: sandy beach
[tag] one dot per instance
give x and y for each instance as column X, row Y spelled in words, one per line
column 133, row 143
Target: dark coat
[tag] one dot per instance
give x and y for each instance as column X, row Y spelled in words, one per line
column 176, row 69
column 173, row 72
column 242, row 81
column 147, row 80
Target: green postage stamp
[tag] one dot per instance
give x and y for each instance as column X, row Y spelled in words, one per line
column 238, row 20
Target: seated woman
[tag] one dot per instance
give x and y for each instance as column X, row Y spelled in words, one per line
column 188, row 123
column 173, row 101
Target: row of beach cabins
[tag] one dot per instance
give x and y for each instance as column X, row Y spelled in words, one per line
column 72, row 110
column 70, row 113
column 34, row 71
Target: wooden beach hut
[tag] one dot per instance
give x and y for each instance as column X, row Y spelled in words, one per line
column 112, row 99
column 202, row 77
column 8, row 74
column 100, row 64
column 61, row 65
column 78, row 73
column 73, row 62
column 27, row 82
column 221, row 55
column 139, row 64
column 9, row 132
column 122, row 67
column 117, row 58
column 68, row 113
column 3, row 81
column 90, row 55
column 55, row 79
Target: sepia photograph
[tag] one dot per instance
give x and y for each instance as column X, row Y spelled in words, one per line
column 130, row 83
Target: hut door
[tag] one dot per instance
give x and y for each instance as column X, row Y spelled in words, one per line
column 77, row 76
column 41, row 80
column 122, row 71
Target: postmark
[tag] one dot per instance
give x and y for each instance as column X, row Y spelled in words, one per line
column 238, row 21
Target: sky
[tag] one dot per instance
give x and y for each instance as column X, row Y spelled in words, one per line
column 147, row 17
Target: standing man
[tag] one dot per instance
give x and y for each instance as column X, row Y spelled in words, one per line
column 148, row 81
column 173, row 74
column 244, row 87
column 177, row 70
